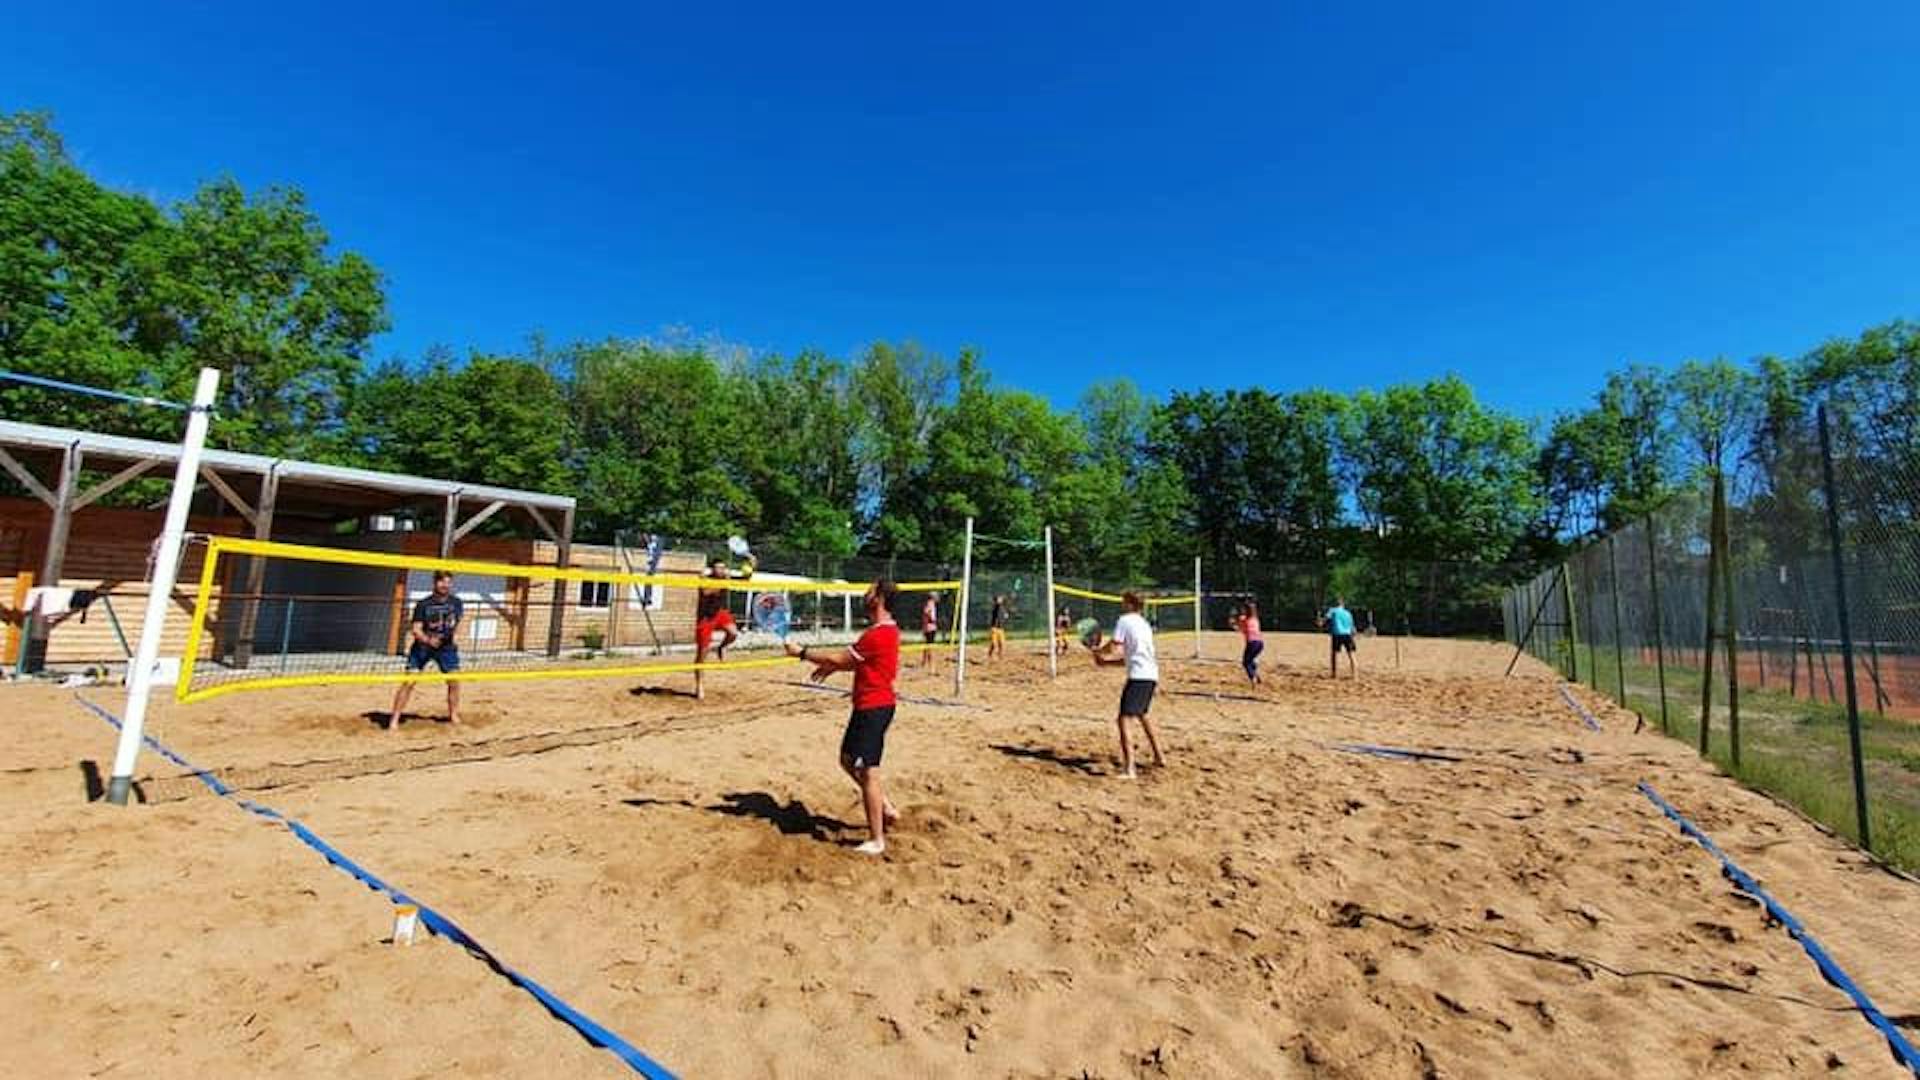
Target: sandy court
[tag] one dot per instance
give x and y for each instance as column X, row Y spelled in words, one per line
column 1269, row 904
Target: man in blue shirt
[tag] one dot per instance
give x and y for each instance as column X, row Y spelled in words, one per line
column 433, row 638
column 1339, row 623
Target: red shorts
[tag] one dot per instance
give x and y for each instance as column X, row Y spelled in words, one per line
column 704, row 629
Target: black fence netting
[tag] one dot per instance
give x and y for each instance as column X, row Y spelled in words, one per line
column 1770, row 619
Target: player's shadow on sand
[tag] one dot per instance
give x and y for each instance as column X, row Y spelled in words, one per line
column 791, row 818
column 1085, row 765
column 660, row 691
column 377, row 718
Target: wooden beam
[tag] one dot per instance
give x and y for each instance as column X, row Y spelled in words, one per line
column 448, row 522
column 545, row 525
column 559, row 618
column 55, row 559
column 227, row 493
column 474, row 521
column 256, row 571
column 113, row 483
column 27, row 479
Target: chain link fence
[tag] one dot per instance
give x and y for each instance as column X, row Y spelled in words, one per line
column 1770, row 619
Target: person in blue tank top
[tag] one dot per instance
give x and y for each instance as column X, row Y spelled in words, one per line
column 1339, row 623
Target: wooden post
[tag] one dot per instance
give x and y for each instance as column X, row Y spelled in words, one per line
column 1619, row 644
column 557, row 623
column 54, row 560
column 1713, row 607
column 1573, row 636
column 256, row 568
column 1588, row 603
column 1659, row 621
column 1730, row 632
column 448, row 524
column 1846, row 631
column 613, row 615
column 397, row 616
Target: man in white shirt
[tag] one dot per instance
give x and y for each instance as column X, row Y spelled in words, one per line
column 1132, row 645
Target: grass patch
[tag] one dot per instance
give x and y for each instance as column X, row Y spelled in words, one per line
column 1794, row 749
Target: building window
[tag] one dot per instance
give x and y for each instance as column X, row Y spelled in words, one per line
column 596, row 594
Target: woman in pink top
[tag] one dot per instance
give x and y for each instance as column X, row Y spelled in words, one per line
column 1248, row 620
column 929, row 627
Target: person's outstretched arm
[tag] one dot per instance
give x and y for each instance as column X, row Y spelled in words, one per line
column 825, row 661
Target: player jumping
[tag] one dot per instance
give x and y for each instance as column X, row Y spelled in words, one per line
column 713, row 615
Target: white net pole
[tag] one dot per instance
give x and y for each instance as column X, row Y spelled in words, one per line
column 1053, row 658
column 966, row 597
column 160, row 594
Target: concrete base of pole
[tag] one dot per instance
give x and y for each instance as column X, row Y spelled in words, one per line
column 118, row 789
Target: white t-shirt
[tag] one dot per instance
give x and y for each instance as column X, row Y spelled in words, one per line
column 1136, row 637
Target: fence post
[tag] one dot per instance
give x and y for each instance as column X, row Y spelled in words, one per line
column 1573, row 637
column 1659, row 621
column 1730, row 628
column 1713, row 608
column 1589, row 597
column 1846, row 630
column 1619, row 645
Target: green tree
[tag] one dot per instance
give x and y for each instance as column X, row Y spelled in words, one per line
column 992, row 455
column 102, row 288
column 1715, row 405
column 1635, row 403
column 797, row 452
column 498, row 420
column 1119, row 511
column 1441, row 477
column 656, row 435
column 72, row 300
column 246, row 285
column 897, row 390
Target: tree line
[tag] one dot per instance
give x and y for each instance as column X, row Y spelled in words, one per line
column 885, row 453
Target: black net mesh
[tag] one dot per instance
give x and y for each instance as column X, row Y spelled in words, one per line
column 1746, row 656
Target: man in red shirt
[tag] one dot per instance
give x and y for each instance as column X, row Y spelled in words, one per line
column 712, row 616
column 874, row 661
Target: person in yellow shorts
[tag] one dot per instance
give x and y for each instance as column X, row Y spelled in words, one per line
column 997, row 627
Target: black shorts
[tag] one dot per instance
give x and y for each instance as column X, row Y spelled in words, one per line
column 930, row 635
column 1343, row 641
column 866, row 739
column 1137, row 697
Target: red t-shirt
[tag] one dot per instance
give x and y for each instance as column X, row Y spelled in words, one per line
column 878, row 653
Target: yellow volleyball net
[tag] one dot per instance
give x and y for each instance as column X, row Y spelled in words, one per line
column 269, row 614
column 1170, row 615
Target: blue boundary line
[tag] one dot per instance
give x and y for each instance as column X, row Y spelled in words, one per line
column 1586, row 716
column 1903, row 1051
column 439, row 924
column 1392, row 752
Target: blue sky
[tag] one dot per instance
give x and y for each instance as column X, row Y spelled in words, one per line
column 1191, row 195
